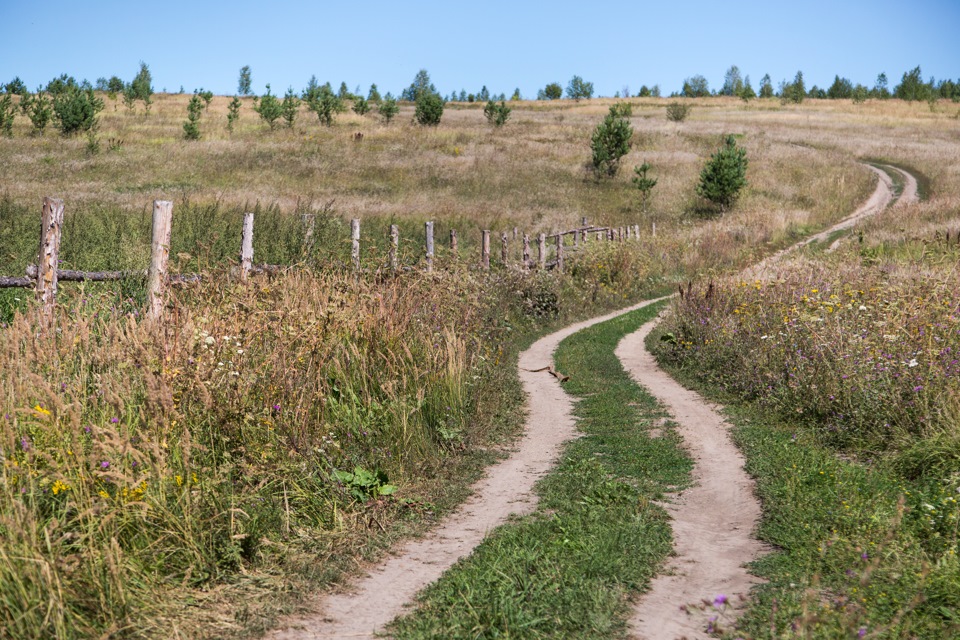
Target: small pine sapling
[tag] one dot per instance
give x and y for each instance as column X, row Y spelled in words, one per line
column 644, row 184
column 129, row 97
column 360, row 105
column 497, row 114
column 724, row 175
column 8, row 112
column 191, row 128
column 233, row 113
column 325, row 103
column 611, row 141
column 40, row 111
column 290, row 107
column 269, row 108
column 428, row 109
column 388, row 108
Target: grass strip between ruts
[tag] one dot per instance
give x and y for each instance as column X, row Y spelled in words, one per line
column 568, row 569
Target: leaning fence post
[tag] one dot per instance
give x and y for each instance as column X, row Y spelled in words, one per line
column 526, row 250
column 559, row 252
column 429, row 231
column 51, row 224
column 394, row 245
column 453, row 243
column 503, row 247
column 159, row 256
column 485, row 250
column 246, row 247
column 355, row 239
column 542, row 250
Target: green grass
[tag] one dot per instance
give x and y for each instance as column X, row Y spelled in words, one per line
column 859, row 545
column 568, row 570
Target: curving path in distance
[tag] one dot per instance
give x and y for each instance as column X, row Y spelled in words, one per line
column 714, row 520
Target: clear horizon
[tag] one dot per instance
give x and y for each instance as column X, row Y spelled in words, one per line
column 500, row 45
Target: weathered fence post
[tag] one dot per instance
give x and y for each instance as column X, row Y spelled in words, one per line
column 636, row 232
column 559, row 252
column 503, row 247
column 576, row 238
column 600, row 235
column 394, row 245
column 516, row 232
column 51, row 224
column 654, row 229
column 485, row 250
column 542, row 250
column 246, row 247
column 355, row 240
column 429, row 231
column 629, row 231
column 159, row 256
column 583, row 221
column 453, row 243
column 526, row 250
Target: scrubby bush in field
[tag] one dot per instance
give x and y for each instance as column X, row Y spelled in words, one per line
column 325, row 103
column 724, row 175
column 39, row 109
column 428, row 110
column 611, row 141
column 191, row 128
column 361, row 106
column 268, row 108
column 388, row 108
column 578, row 89
column 16, row 86
column 621, row 110
column 553, row 91
column 374, row 95
column 233, row 113
column 290, row 107
column 76, row 111
column 8, row 111
column 677, row 112
column 643, row 183
column 496, row 114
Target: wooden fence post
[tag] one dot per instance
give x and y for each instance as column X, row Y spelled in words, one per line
column 246, row 247
column 503, row 247
column 355, row 240
column 394, row 245
column 542, row 250
column 560, row 252
column 51, row 224
column 429, row 231
column 654, row 229
column 453, row 243
column 629, row 231
column 600, row 235
column 636, row 232
column 485, row 250
column 526, row 250
column 516, row 232
column 159, row 256
column 576, row 238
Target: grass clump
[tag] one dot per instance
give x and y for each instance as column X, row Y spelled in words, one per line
column 567, row 570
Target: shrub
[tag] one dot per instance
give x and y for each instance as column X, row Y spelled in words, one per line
column 191, row 128
column 129, row 97
column 497, row 114
column 552, row 91
column 361, row 106
column 677, row 112
column 611, row 141
column 325, row 103
column 76, row 110
column 16, row 86
column 724, row 175
column 621, row 110
column 643, row 183
column 374, row 94
column 39, row 110
column 8, row 112
column 141, row 85
column 429, row 109
column 388, row 108
column 290, row 106
column 233, row 113
column 269, row 108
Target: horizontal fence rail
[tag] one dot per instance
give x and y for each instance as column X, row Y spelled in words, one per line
column 44, row 276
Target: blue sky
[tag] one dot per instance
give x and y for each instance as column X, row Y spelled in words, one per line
column 499, row 44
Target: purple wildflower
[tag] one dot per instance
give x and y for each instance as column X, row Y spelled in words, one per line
column 720, row 600
column 104, row 465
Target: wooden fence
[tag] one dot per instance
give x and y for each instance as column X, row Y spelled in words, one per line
column 44, row 276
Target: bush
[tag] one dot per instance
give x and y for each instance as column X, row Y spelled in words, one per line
column 621, row 110
column 388, row 108
column 552, row 91
column 191, row 128
column 724, row 175
column 361, row 106
column 578, row 88
column 290, row 106
column 16, row 86
column 8, row 112
column 429, row 109
column 497, row 114
column 269, row 108
column 325, row 103
column 142, row 84
column 677, row 112
column 233, row 113
column 39, row 110
column 611, row 141
column 76, row 110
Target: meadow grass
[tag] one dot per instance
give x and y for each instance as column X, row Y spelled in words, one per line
column 570, row 569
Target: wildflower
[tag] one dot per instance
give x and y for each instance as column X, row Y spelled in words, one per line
column 862, row 633
column 913, row 362
column 41, row 410
column 104, row 465
column 114, row 420
column 24, row 443
column 720, row 600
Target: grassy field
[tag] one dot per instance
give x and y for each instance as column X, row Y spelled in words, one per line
column 189, row 479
